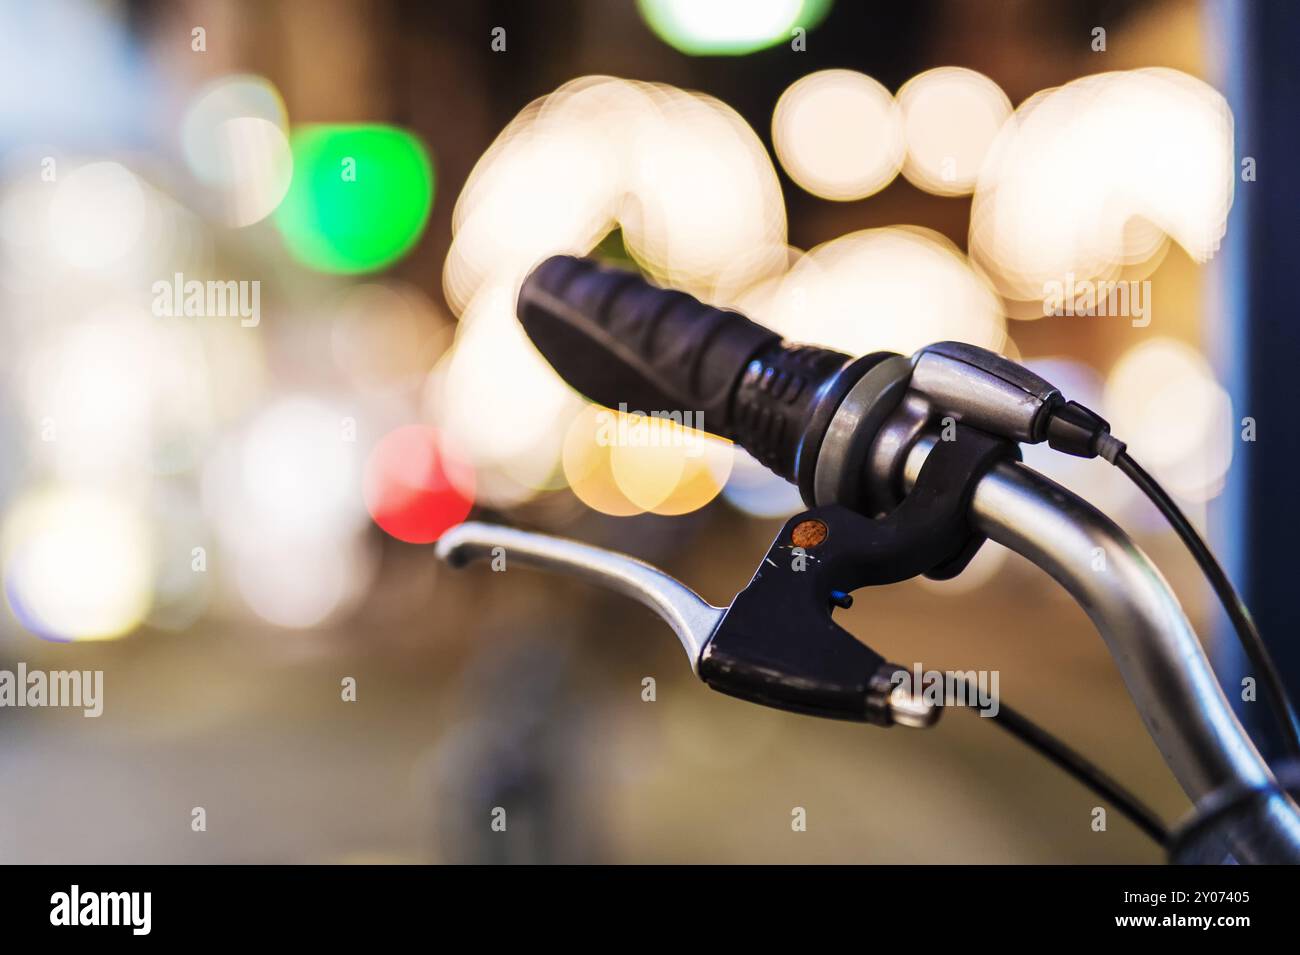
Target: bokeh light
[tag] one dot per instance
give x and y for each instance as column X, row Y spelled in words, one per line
column 284, row 496
column 360, row 196
column 950, row 117
column 297, row 466
column 117, row 395
column 97, row 215
column 684, row 177
column 893, row 289
column 230, row 97
column 1161, row 397
column 588, row 465
column 259, row 168
column 550, row 183
column 624, row 464
column 301, row 585
column 663, row 467
column 729, row 27
column 839, row 134
column 1090, row 177
column 407, row 490
column 234, row 137
column 503, row 408
column 77, row 563
column 705, row 212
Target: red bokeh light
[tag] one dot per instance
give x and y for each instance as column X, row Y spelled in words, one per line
column 407, row 488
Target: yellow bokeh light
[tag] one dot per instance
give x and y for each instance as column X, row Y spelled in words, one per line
column 588, row 466
column 624, row 464
column 704, row 475
column 663, row 467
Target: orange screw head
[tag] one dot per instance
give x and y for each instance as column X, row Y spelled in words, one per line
column 808, row 534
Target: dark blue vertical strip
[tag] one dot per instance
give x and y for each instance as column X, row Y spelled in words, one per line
column 1255, row 332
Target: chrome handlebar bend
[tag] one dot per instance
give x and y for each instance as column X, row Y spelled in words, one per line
column 1159, row 656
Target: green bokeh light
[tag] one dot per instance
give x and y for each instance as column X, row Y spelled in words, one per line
column 360, row 196
column 729, row 27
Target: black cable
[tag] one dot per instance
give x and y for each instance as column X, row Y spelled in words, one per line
column 1082, row 769
column 1233, row 605
column 1078, row 430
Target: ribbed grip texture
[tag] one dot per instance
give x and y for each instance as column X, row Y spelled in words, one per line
column 777, row 400
column 621, row 341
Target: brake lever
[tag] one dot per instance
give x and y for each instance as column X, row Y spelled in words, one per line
column 849, row 672
column 776, row 643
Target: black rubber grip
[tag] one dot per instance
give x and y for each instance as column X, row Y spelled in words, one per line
column 627, row 344
column 621, row 341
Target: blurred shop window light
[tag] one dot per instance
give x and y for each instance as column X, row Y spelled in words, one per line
column 729, row 27
column 360, row 196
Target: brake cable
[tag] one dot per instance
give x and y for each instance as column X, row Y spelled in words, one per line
column 1077, row 430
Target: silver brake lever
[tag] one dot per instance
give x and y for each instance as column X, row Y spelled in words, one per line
column 692, row 618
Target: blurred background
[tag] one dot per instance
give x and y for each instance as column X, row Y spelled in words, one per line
column 257, row 272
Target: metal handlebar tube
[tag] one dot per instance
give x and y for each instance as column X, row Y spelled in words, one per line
column 1155, row 647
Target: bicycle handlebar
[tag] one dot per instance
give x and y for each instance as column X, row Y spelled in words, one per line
column 854, row 432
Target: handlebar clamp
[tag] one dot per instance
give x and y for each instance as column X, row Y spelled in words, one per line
column 778, row 645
